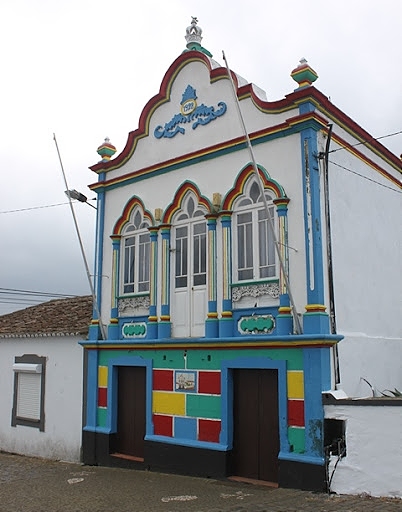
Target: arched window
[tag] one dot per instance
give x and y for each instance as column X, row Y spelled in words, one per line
column 254, row 247
column 136, row 246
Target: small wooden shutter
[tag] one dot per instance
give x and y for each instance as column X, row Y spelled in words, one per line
column 29, row 395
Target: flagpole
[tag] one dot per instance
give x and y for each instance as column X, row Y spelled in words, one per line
column 296, row 320
column 94, row 301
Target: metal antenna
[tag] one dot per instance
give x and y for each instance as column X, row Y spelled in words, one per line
column 296, row 319
column 94, row 301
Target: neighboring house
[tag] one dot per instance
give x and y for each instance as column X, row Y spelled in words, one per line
column 215, row 354
column 41, row 365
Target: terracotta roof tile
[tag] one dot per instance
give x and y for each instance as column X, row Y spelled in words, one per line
column 57, row 317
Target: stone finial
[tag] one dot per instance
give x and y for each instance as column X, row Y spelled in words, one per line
column 106, row 150
column 303, row 74
column 193, row 32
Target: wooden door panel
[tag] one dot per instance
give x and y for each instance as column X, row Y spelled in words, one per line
column 269, row 426
column 131, row 411
column 255, row 424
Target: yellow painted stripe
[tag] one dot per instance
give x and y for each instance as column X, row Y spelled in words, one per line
column 102, row 376
column 169, row 403
column 295, row 384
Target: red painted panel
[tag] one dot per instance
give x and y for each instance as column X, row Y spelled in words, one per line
column 163, row 425
column 102, row 397
column 296, row 413
column 209, row 382
column 209, row 430
column 162, row 380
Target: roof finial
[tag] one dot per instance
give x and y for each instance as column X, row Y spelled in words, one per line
column 106, row 150
column 304, row 74
column 193, row 32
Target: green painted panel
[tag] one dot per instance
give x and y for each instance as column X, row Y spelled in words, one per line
column 205, row 359
column 101, row 414
column 296, row 436
column 201, row 406
column 163, row 358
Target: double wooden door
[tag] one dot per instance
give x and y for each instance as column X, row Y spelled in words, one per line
column 131, row 411
column 255, row 424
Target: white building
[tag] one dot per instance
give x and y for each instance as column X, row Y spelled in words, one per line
column 41, row 365
column 213, row 314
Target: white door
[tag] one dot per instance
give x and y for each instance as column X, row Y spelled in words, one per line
column 189, row 279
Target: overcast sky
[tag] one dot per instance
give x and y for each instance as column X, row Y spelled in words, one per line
column 84, row 69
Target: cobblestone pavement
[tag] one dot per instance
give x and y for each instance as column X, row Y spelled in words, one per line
column 28, row 484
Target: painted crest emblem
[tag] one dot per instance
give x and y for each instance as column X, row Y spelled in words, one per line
column 190, row 112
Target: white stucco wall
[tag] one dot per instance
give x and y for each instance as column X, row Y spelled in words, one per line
column 367, row 249
column 373, row 463
column 61, row 439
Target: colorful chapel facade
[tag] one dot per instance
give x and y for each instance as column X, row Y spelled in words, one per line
column 212, row 281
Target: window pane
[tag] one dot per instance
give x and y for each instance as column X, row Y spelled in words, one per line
column 199, row 253
column 245, row 246
column 181, row 257
column 143, row 262
column 266, row 245
column 129, row 261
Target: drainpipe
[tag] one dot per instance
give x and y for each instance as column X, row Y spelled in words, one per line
column 332, row 314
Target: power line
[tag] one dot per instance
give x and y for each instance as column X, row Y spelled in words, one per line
column 15, row 291
column 366, row 178
column 366, row 142
column 34, row 208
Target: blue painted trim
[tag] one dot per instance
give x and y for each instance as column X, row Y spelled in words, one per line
column 319, row 461
column 112, row 397
column 226, row 437
column 291, row 338
column 186, row 442
column 100, row 222
column 98, row 430
column 92, row 388
column 312, row 217
column 316, row 366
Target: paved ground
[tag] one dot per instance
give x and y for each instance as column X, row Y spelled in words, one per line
column 29, row 484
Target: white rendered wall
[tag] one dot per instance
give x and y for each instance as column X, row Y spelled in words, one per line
column 373, row 464
column 367, row 249
column 282, row 160
column 61, row 439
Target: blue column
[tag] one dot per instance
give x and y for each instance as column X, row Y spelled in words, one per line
column 152, row 329
column 211, row 325
column 165, row 326
column 113, row 329
column 315, row 319
column 226, row 320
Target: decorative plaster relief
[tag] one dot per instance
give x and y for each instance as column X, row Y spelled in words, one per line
column 255, row 290
column 134, row 306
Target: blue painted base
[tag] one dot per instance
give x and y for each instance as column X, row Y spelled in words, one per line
column 316, row 323
column 152, row 330
column 225, row 327
column 164, row 330
column 113, row 331
column 284, row 324
column 212, row 328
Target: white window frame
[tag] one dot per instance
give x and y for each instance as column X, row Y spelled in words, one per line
column 138, row 282
column 254, row 270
